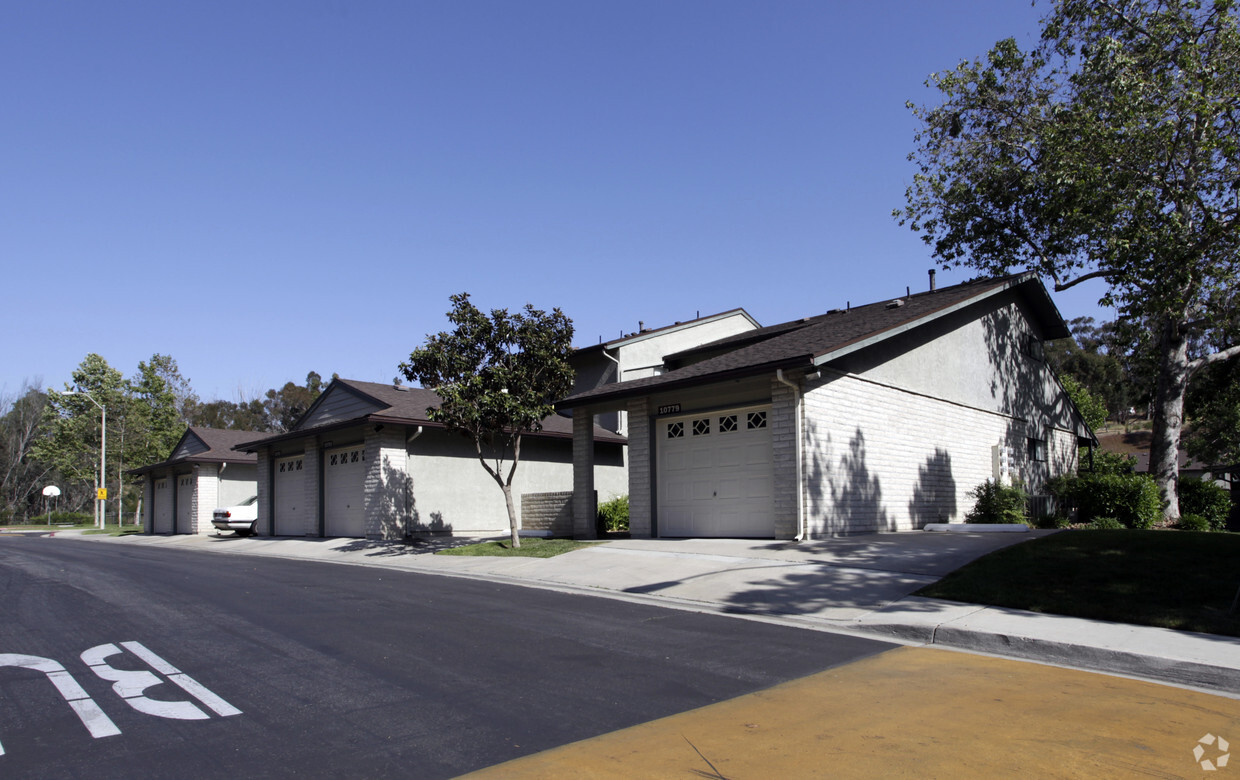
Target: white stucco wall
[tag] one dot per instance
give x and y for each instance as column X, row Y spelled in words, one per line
column 977, row 361
column 450, row 488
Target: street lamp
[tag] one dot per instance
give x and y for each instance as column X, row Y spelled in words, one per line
column 101, row 505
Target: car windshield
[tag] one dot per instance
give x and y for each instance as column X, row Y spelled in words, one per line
column 249, row 501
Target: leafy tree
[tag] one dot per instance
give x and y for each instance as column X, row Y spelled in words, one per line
column 1109, row 151
column 74, row 435
column 286, row 406
column 1089, row 405
column 497, row 378
column 1214, row 408
column 161, row 396
column 1093, row 357
column 21, row 477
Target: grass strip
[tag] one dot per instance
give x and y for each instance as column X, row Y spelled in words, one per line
column 1171, row 579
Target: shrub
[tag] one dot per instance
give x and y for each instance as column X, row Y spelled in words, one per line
column 1110, row 463
column 1193, row 523
column 1106, row 524
column 1051, row 521
column 1132, row 499
column 614, row 514
column 76, row 518
column 1206, row 499
column 995, row 503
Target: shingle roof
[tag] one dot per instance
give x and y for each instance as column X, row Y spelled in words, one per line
column 802, row 342
column 407, row 406
column 219, row 445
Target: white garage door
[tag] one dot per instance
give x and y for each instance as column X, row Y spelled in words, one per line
column 715, row 474
column 162, row 504
column 290, row 494
column 344, row 474
column 185, row 504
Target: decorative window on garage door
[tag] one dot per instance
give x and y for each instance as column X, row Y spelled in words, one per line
column 343, row 458
column 675, row 430
column 290, row 465
column 756, row 420
column 701, row 427
column 727, row 423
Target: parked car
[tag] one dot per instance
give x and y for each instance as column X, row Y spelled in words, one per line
column 242, row 518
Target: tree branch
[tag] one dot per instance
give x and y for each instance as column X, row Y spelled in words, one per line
column 1221, row 355
column 1061, row 286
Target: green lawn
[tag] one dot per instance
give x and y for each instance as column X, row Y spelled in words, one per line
column 1173, row 579
column 531, row 547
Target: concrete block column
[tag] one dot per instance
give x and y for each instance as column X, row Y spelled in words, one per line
column 312, row 484
column 785, row 409
column 262, row 475
column 388, row 487
column 641, row 475
column 584, row 509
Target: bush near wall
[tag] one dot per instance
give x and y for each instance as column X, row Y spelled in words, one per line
column 614, row 514
column 996, row 503
column 1207, row 500
column 1131, row 499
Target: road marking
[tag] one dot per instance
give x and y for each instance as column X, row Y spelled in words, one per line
column 128, row 685
column 187, row 683
column 93, row 718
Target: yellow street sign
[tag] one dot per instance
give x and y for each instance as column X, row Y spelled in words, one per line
column 102, row 494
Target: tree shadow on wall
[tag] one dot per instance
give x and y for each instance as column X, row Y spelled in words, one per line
column 848, row 495
column 934, row 496
column 399, row 519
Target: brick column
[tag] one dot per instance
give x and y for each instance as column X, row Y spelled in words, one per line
column 641, row 465
column 388, row 487
column 262, row 476
column 784, row 412
column 311, row 485
column 584, row 509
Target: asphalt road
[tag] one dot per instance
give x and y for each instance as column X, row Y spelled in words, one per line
column 265, row 667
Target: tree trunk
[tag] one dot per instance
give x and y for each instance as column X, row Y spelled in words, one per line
column 1168, row 421
column 512, row 516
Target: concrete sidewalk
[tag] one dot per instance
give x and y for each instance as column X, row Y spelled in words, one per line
column 859, row 585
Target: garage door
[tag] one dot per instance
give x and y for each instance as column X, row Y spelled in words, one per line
column 185, row 504
column 344, row 474
column 715, row 474
column 162, row 504
column 290, row 497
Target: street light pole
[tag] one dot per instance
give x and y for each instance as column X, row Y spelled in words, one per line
column 101, row 505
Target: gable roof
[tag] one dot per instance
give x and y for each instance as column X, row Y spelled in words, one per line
column 816, row 340
column 399, row 405
column 205, row 445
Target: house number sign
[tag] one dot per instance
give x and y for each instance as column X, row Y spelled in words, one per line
column 669, row 409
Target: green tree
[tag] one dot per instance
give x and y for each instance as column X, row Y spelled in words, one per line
column 1214, row 409
column 1089, row 405
column 1109, row 151
column 161, row 396
column 284, row 407
column 21, row 477
column 497, row 378
column 73, row 440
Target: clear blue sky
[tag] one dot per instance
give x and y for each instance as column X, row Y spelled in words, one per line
column 265, row 188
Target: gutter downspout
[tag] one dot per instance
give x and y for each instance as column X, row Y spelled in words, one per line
column 796, row 394
column 410, row 439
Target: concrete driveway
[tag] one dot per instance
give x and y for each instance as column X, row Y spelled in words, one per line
column 833, row 579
